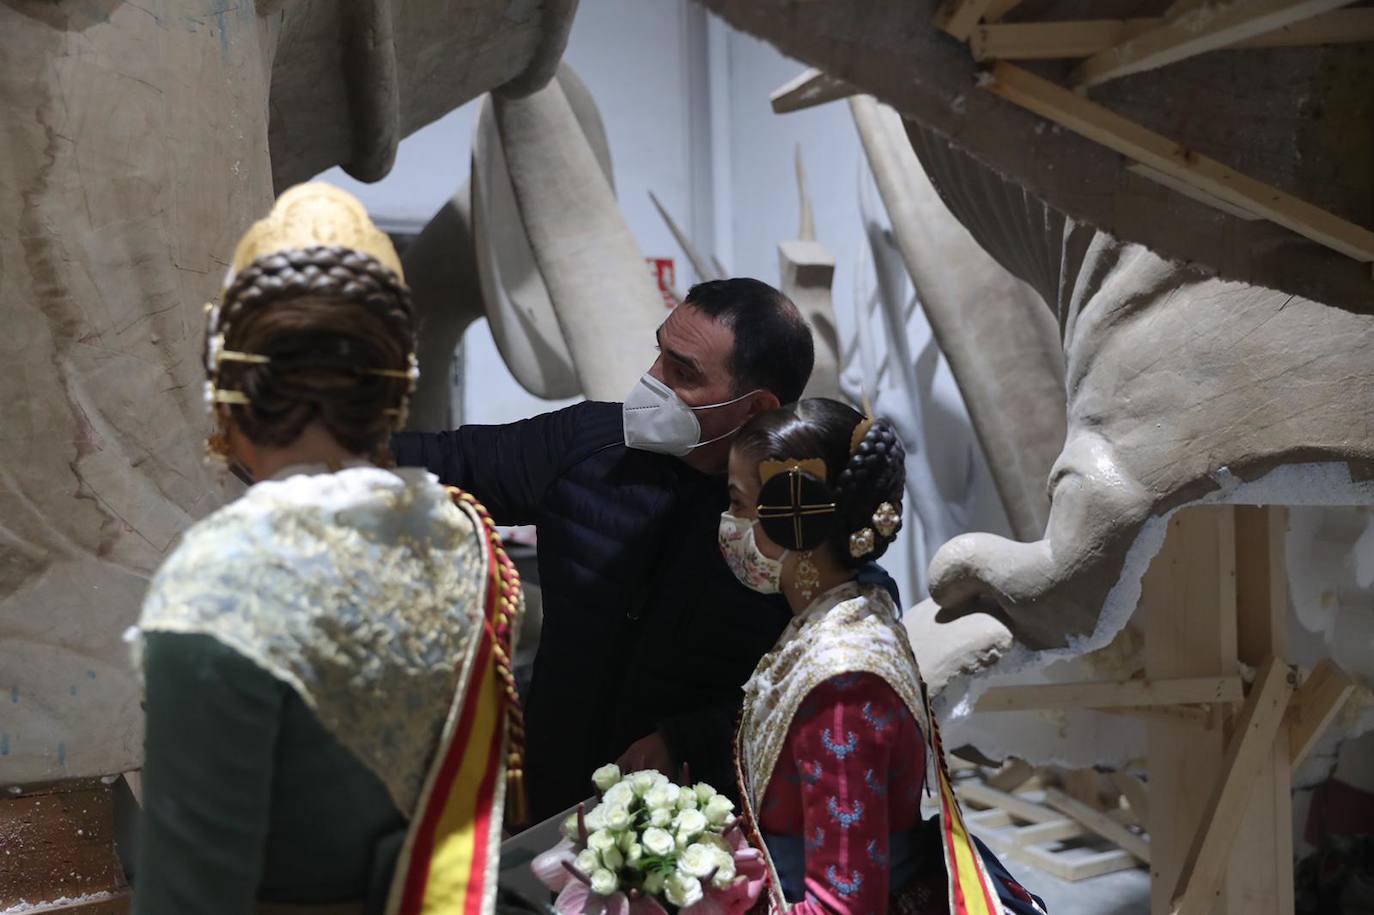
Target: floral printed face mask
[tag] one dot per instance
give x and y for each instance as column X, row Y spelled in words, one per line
column 754, row 570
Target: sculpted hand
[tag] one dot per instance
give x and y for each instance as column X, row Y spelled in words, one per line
column 647, row 753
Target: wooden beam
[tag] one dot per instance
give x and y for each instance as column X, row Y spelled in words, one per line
column 1104, row 126
column 1186, row 691
column 1179, row 186
column 1197, row 714
column 1085, row 37
column 1188, row 614
column 958, row 17
column 1099, row 823
column 1314, row 705
column 1001, row 800
column 999, row 8
column 1195, row 32
column 807, row 90
column 1204, row 869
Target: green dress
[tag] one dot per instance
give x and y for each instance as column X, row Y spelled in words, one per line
column 300, row 656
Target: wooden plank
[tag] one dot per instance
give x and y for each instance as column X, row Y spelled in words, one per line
column 1204, row 871
column 1137, row 795
column 1188, row 615
column 1073, row 867
column 1099, row 823
column 958, row 17
column 1085, row 37
column 1104, row 126
column 1195, row 713
column 987, row 819
column 1049, row 831
column 1187, row 190
column 1001, row 800
column 1261, row 871
column 807, row 90
column 1183, row 691
column 999, row 8
column 1196, row 32
column 1314, row 705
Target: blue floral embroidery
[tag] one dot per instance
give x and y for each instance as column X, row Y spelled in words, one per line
column 840, row 750
column 844, row 681
column 844, row 888
column 879, row 858
column 811, row 772
column 871, row 780
column 846, row 818
column 878, row 722
column 816, row 842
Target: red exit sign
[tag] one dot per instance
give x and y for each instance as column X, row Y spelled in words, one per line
column 665, row 275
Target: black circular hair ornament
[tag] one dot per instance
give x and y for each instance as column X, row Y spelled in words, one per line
column 796, row 510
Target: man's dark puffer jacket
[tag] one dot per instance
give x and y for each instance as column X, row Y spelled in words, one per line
column 644, row 626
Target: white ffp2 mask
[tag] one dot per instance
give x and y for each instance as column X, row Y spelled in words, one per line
column 656, row 419
column 741, row 550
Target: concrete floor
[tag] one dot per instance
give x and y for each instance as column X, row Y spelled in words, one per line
column 1122, row 893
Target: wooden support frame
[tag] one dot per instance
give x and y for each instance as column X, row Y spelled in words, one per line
column 1314, row 705
column 958, row 17
column 1111, row 695
column 1086, row 37
column 999, row 8
column 1204, row 869
column 1101, row 125
column 1100, row 823
column 807, row 90
column 1195, row 32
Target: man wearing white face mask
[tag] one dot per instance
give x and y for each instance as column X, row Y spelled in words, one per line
column 647, row 635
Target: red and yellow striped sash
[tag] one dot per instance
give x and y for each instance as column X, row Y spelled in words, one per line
column 448, row 865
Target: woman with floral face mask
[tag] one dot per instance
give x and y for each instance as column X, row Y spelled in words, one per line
column 835, row 735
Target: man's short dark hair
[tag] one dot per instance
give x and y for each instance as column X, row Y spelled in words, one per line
column 773, row 347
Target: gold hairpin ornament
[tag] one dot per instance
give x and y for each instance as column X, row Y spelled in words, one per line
column 887, row 519
column 861, row 543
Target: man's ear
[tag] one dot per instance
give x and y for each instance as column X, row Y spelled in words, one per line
column 762, row 402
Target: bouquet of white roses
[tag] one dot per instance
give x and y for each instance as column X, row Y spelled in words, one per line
column 650, row 847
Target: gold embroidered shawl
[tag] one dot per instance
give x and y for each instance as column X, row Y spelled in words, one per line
column 361, row 589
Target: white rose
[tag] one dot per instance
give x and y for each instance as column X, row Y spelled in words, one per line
column 600, row 840
column 570, row 829
column 687, row 800
column 653, row 884
column 621, row 794
column 704, row 792
column 691, row 822
column 587, row 861
column 657, row 841
column 664, row 795
column 660, row 817
column 627, row 839
column 596, row 817
column 682, row 890
column 645, row 780
column 604, row 883
column 718, row 810
column 612, row 858
column 605, row 777
column 633, row 854
column 618, row 819
column 725, row 867
column 697, row 860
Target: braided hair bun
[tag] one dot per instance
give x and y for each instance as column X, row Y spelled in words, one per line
column 328, row 319
column 860, row 475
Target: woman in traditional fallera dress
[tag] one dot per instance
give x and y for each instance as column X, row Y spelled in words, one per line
column 330, row 713
column 836, row 741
